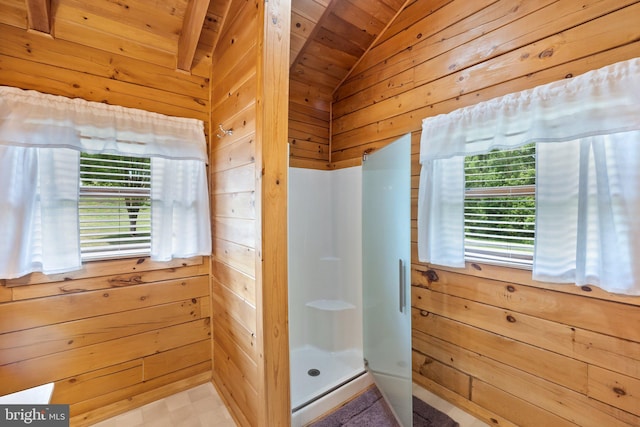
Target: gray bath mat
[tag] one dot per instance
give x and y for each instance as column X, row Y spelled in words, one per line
column 370, row 409
column 425, row 415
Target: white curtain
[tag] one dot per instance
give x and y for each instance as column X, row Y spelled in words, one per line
column 33, row 119
column 180, row 225
column 598, row 194
column 39, row 211
column 588, row 212
column 41, row 137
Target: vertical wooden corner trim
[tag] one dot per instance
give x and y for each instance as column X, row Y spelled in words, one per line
column 190, row 35
column 39, row 15
column 272, row 166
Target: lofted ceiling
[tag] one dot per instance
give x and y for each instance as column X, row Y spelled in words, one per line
column 176, row 34
column 327, row 36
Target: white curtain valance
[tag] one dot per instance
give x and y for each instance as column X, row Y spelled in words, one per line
column 33, row 119
column 599, row 102
column 587, row 134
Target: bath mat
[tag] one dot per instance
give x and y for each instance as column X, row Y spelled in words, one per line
column 425, row 415
column 370, row 409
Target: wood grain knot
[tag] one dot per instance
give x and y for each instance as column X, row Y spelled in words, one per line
column 586, row 288
column 424, row 313
column 476, row 267
column 432, row 276
column 511, row 319
column 511, row 288
column 547, row 53
column 619, row 391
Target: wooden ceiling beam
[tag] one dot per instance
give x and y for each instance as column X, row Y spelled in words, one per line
column 190, row 34
column 39, row 15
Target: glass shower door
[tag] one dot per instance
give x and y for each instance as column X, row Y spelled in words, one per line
column 386, row 234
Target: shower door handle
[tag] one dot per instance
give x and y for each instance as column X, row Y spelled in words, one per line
column 401, row 281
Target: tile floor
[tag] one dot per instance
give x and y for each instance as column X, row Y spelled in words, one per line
column 197, row 407
column 202, row 407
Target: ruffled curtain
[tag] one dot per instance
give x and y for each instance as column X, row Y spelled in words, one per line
column 41, row 137
column 588, row 186
column 32, row 119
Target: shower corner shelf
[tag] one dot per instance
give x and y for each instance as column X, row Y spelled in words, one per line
column 330, row 305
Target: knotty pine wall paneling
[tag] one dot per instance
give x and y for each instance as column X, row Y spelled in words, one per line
column 309, row 105
column 60, row 67
column 113, row 336
column 117, row 334
column 512, row 351
column 249, row 179
column 233, row 192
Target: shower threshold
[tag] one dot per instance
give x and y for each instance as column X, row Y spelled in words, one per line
column 329, row 391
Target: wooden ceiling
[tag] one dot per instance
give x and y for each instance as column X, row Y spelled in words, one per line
column 327, row 36
column 176, row 34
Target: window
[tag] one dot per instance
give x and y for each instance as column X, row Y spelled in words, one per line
column 152, row 183
column 114, row 206
column 587, row 215
column 499, row 206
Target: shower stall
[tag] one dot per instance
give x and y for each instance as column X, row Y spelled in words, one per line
column 325, row 281
column 349, row 293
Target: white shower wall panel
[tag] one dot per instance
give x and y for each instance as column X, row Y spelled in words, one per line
column 325, row 259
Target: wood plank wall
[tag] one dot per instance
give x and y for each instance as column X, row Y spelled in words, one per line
column 122, row 333
column 233, row 178
column 233, row 174
column 309, row 106
column 113, row 336
column 512, row 351
column 249, row 181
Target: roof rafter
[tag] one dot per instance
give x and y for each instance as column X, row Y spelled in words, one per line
column 39, row 15
column 190, row 34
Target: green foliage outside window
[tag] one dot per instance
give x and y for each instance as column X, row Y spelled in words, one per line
column 500, row 199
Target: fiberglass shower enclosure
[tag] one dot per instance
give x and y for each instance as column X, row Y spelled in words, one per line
column 325, row 280
column 349, row 256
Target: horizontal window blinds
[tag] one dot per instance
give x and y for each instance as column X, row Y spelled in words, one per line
column 499, row 208
column 114, row 206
